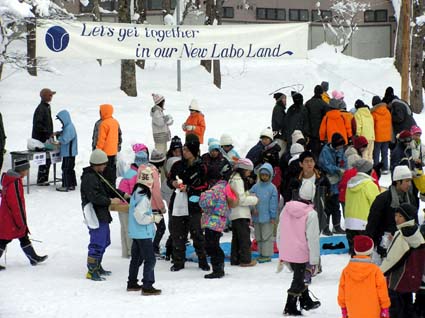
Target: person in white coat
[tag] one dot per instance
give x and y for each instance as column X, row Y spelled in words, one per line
column 160, row 124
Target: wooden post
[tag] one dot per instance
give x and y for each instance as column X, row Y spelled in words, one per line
column 405, row 66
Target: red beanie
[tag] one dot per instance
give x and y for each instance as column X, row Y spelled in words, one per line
column 360, row 142
column 363, row 245
column 405, row 136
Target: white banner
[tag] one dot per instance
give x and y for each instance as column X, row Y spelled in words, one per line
column 71, row 39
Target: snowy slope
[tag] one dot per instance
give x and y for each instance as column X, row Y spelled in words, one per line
column 242, row 108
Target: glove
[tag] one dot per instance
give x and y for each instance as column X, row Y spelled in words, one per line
column 157, row 218
column 385, row 313
column 184, row 126
column 344, row 312
column 190, row 127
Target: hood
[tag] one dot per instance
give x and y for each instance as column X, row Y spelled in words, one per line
column 359, row 181
column 9, row 177
column 268, row 167
column 359, row 271
column 154, row 109
column 64, row 117
column 334, row 114
column 336, row 103
column 401, row 103
column 297, row 209
column 379, row 108
column 106, row 111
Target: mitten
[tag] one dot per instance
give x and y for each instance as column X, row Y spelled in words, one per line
column 157, row 218
column 190, row 127
column 385, row 313
column 344, row 312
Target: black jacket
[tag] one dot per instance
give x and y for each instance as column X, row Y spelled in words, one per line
column 2, row 136
column 278, row 118
column 296, row 119
column 401, row 156
column 95, row 190
column 381, row 215
column 217, row 168
column 316, row 110
column 42, row 124
column 195, row 179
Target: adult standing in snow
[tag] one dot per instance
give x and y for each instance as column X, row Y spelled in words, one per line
column 316, row 109
column 401, row 116
column 298, row 243
column 195, row 123
column 278, row 120
column 42, row 130
column 108, row 140
column 100, row 194
column 296, row 118
column 13, row 214
column 160, row 124
column 2, row 141
column 365, row 127
column 68, row 151
column 389, row 95
column 383, row 133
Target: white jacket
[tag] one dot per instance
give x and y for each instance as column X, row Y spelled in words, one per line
column 160, row 123
column 242, row 211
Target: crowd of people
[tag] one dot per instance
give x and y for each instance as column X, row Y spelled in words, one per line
column 317, row 164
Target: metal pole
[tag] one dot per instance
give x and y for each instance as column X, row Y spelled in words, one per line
column 179, row 67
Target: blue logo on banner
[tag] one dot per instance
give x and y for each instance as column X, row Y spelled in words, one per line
column 57, row 39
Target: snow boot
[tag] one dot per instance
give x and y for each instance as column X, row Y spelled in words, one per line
column 93, row 269
column 1, row 253
column 264, row 259
column 218, row 272
column 306, row 302
column 250, row 264
column 203, row 264
column 338, row 230
column 176, row 267
column 32, row 256
column 326, row 231
column 151, row 291
column 133, row 286
column 291, row 306
column 102, row 271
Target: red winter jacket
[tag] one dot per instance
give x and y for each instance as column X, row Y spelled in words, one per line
column 13, row 218
column 348, row 174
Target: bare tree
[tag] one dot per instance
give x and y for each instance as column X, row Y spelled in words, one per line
column 128, row 67
column 140, row 10
column 216, row 63
column 416, row 60
column 97, row 17
column 345, row 20
column 209, row 19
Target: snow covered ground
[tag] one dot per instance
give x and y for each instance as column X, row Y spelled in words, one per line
column 242, row 108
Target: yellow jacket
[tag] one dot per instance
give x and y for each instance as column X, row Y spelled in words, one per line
column 365, row 123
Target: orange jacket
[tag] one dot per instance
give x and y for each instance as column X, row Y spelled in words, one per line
column 107, row 139
column 382, row 122
column 334, row 122
column 196, row 119
column 363, row 289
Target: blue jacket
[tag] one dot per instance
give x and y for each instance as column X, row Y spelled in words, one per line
column 68, row 137
column 267, row 198
column 140, row 222
column 331, row 161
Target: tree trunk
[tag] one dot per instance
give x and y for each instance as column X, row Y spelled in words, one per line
column 166, row 5
column 141, row 10
column 398, row 44
column 216, row 63
column 31, row 60
column 209, row 7
column 406, row 46
column 97, row 18
column 416, row 60
column 128, row 68
column 1, row 69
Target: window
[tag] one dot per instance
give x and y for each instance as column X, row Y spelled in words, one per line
column 298, row 15
column 376, row 16
column 325, row 15
column 271, row 14
column 109, row 5
column 173, row 4
column 154, row 4
column 228, row 12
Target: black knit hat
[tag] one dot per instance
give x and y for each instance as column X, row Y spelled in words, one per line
column 278, row 96
column 318, row 90
column 297, row 98
column 306, row 154
column 176, row 143
column 359, row 103
column 376, row 100
column 409, row 211
column 21, row 165
column 337, row 140
column 192, row 143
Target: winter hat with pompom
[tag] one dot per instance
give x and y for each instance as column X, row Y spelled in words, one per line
column 157, row 99
column 338, row 94
column 363, row 245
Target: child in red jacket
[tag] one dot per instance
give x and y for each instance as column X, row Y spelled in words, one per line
column 13, row 216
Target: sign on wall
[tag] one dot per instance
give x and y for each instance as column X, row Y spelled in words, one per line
column 73, row 39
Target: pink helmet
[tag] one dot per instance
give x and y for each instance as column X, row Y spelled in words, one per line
column 415, row 130
column 139, row 147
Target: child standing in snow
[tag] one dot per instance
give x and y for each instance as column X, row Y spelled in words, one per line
column 298, row 242
column 195, row 123
column 141, row 229
column 264, row 215
column 362, row 287
column 160, row 124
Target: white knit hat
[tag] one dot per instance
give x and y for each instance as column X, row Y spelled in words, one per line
column 297, row 135
column 268, row 132
column 145, row 176
column 402, row 173
column 226, row 140
column 194, row 105
column 98, row 157
column 157, row 98
column 296, row 149
column 307, row 190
